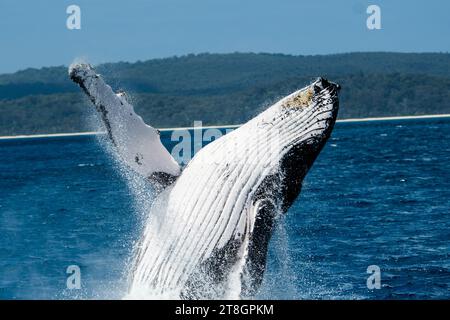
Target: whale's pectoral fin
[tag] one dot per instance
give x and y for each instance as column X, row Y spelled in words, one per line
column 138, row 144
column 266, row 206
column 255, row 263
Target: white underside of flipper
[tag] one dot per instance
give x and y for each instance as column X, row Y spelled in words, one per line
column 137, row 144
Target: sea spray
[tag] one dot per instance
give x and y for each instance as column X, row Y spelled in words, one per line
column 281, row 275
column 140, row 190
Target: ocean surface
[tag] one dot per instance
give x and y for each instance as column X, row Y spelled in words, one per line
column 379, row 194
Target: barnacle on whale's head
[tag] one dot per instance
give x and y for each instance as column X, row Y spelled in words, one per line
column 299, row 100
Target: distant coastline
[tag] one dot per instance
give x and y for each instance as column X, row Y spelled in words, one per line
column 228, row 88
column 90, row 133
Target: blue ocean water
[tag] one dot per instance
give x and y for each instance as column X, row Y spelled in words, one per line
column 379, row 194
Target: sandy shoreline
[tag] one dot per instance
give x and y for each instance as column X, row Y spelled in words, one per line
column 219, row 127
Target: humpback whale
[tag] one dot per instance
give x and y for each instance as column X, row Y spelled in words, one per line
column 209, row 227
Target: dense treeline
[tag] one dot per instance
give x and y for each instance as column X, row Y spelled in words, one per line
column 228, row 88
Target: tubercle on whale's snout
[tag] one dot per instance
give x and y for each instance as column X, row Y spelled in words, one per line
column 322, row 83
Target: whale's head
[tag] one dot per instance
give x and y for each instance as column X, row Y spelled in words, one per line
column 302, row 123
column 307, row 116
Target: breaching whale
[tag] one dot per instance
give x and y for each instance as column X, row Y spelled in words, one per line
column 211, row 222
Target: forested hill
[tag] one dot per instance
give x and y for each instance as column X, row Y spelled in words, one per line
column 228, row 88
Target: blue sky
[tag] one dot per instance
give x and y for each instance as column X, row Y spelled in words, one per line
column 34, row 33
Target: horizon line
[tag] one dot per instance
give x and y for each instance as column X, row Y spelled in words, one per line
column 231, row 126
